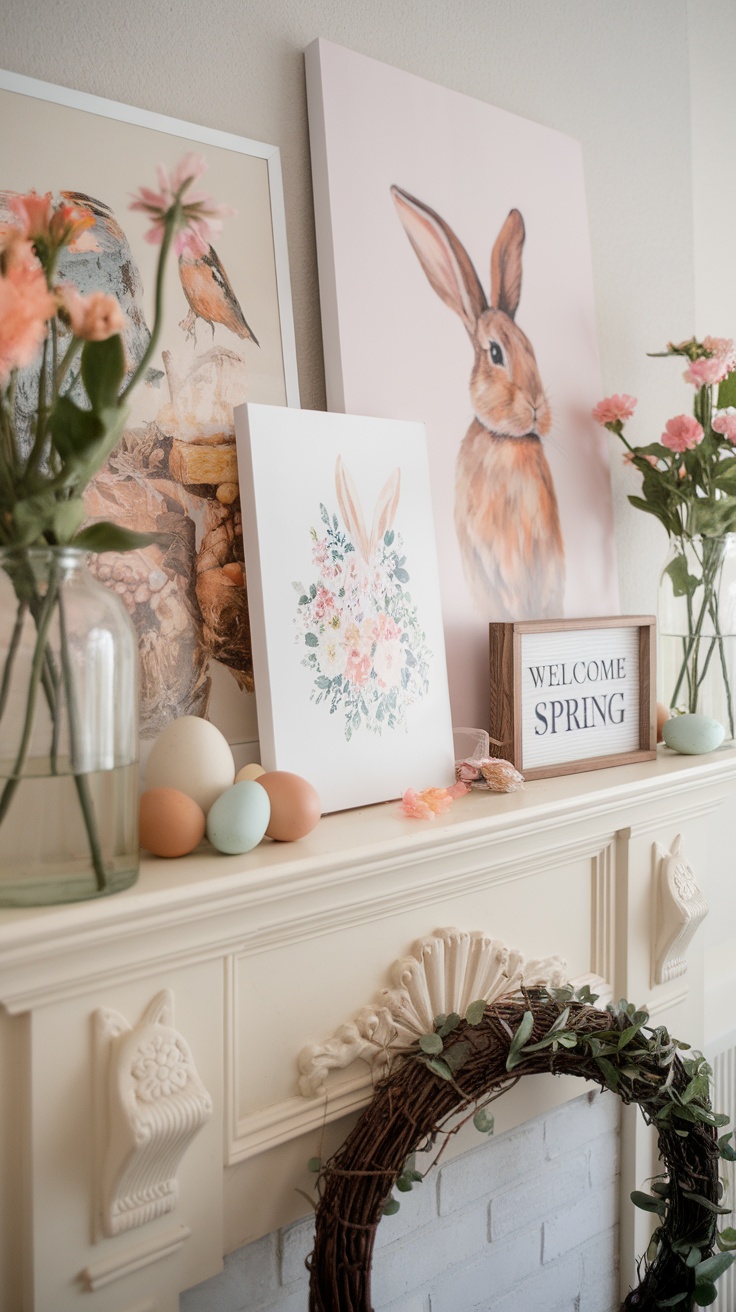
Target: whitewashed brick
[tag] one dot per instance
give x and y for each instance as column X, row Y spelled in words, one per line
column 249, row 1280
column 480, row 1285
column 418, row 1208
column 557, row 1185
column 404, row 1267
column 295, row 1244
column 415, row 1303
column 605, row 1160
column 555, row 1289
column 487, row 1170
column 568, row 1127
column 596, row 1213
column 600, row 1273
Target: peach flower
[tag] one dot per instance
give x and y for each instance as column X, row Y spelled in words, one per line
column 614, row 409
column 95, row 317
column 25, row 306
column 33, row 213
column 682, row 433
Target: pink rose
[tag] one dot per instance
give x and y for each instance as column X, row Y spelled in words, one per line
column 682, row 433
column 614, row 409
column 724, row 422
column 706, row 371
column 95, row 317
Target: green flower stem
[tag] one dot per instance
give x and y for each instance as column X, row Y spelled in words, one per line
column 39, row 440
column 724, row 667
column 39, row 652
column 171, row 225
column 10, row 658
column 102, row 878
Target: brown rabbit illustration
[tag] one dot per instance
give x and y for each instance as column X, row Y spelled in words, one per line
column 506, row 515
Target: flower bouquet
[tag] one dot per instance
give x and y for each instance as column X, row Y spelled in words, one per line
column 689, row 485
column 68, row 727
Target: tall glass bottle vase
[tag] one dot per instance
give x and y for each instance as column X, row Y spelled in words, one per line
column 697, row 628
column 68, row 731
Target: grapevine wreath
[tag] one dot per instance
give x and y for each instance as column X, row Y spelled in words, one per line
column 467, row 1062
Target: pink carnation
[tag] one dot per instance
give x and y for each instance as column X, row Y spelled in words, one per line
column 613, row 409
column 724, row 422
column 95, row 317
column 723, row 348
column 682, row 433
column 25, row 306
column 706, row 371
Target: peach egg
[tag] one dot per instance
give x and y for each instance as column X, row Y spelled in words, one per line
column 172, row 824
column 251, row 771
column 295, row 805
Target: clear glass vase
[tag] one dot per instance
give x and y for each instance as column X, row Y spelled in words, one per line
column 68, row 731
column 697, row 628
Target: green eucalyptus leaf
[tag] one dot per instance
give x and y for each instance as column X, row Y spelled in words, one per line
column 714, row 1266
column 647, row 1202
column 103, row 370
column 105, row 536
column 32, row 517
column 439, row 1067
column 609, row 1072
column 706, row 1203
column 693, row 1257
column 483, row 1121
column 684, row 584
column 517, row 1043
column 726, row 1240
column 476, row 1011
column 449, row 1024
column 457, row 1055
column 391, row 1207
column 314, row 1165
column 705, row 1293
column 431, row 1043
column 404, row 1184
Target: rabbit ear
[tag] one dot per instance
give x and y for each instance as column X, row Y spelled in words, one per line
column 349, row 503
column 506, row 265
column 385, row 512
column 443, row 258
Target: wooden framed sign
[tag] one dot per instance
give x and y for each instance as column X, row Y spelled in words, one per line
column 573, row 695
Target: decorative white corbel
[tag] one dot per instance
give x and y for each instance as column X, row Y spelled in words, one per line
column 155, row 1103
column 679, row 907
column 445, row 974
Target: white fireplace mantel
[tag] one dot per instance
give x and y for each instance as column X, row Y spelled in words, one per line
column 124, row 1178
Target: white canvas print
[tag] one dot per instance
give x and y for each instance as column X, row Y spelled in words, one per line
column 456, row 289
column 348, row 644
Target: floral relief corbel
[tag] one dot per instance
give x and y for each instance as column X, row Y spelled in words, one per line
column 154, row 1104
column 679, row 907
column 445, row 973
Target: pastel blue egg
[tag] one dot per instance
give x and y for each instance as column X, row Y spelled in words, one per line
column 237, row 821
column 692, row 735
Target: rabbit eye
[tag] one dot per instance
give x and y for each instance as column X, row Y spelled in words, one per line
column 495, row 352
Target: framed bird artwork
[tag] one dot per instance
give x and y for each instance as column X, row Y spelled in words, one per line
column 227, row 338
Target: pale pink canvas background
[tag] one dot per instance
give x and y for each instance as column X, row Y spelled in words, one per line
column 394, row 349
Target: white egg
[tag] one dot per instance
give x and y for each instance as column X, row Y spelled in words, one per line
column 192, row 755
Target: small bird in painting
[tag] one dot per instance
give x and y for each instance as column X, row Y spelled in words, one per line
column 210, row 295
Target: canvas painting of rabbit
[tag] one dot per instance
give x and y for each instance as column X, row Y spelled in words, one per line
column 343, row 591
column 456, row 289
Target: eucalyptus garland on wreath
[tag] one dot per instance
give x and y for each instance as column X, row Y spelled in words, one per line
column 465, row 1063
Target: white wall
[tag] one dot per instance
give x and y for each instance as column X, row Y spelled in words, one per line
column 615, row 76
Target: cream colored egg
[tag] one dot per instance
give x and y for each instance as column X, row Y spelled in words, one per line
column 252, row 771
column 192, row 755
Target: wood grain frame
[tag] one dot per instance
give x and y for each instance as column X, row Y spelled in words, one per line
column 505, row 677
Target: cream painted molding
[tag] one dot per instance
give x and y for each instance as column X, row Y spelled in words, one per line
column 154, row 1104
column 445, row 974
column 679, row 907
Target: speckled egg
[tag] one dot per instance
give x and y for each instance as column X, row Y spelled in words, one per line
column 295, row 805
column 237, row 821
column 192, row 755
column 172, row 824
column 693, row 735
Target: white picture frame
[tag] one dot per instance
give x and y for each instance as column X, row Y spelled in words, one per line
column 348, row 642
column 415, row 186
column 61, row 140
